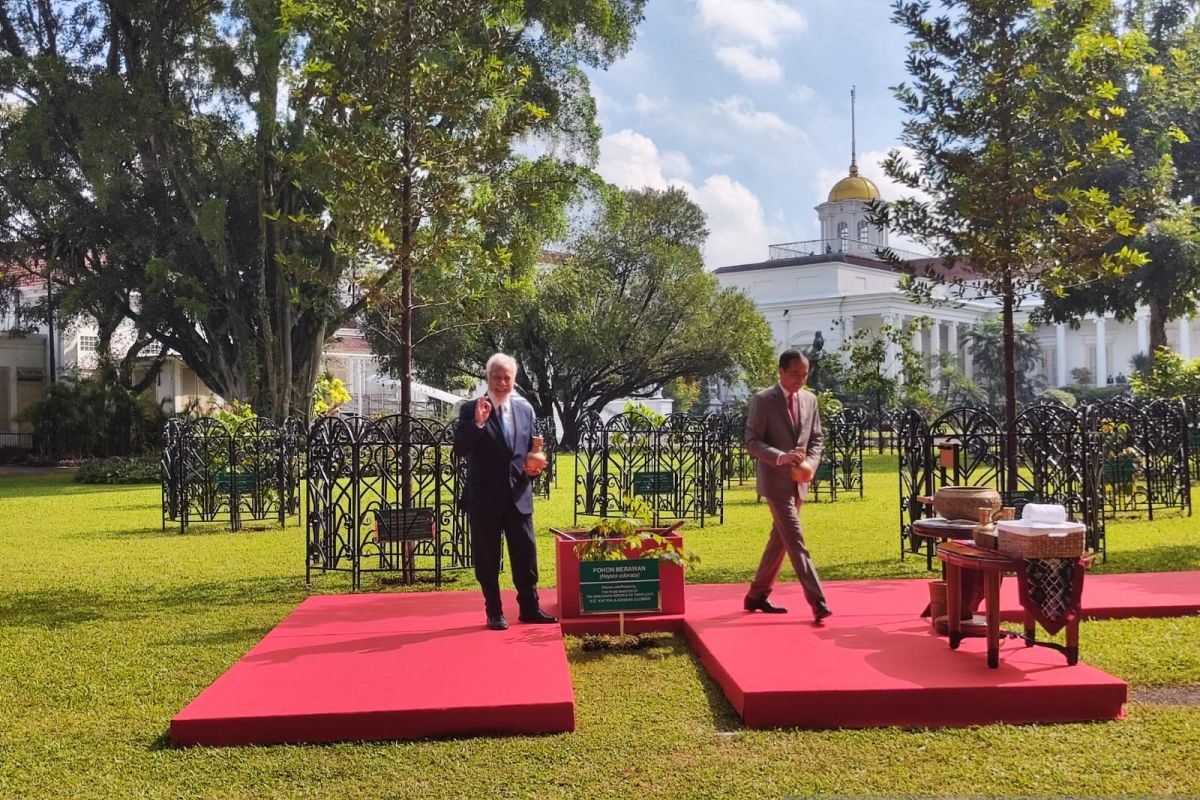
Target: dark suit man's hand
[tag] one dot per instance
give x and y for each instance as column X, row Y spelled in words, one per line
column 483, row 410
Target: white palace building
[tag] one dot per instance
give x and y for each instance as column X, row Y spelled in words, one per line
column 837, row 285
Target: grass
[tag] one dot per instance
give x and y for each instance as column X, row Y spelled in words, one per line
column 108, row 626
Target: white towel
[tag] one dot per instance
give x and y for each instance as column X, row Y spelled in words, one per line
column 1044, row 514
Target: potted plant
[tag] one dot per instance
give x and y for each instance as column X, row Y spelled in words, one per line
column 621, row 566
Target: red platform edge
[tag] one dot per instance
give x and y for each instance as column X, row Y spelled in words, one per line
column 442, row 634
column 386, row 666
column 875, row 664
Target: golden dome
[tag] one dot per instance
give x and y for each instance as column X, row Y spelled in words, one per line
column 853, row 187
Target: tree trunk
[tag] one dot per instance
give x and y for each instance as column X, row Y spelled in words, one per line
column 569, row 417
column 1158, row 329
column 408, row 228
column 1010, row 386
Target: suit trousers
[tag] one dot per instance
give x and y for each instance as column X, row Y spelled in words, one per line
column 787, row 538
column 487, row 526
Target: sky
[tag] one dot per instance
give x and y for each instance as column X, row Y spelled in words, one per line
column 745, row 104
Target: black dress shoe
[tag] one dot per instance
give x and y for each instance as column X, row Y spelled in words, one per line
column 497, row 622
column 764, row 605
column 538, row 617
column 820, row 612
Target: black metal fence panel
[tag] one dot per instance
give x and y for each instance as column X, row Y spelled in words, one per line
column 675, row 468
column 1058, row 459
column 384, row 496
column 211, row 472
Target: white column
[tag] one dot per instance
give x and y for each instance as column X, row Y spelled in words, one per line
column 847, row 328
column 1143, row 330
column 934, row 359
column 1185, row 337
column 360, row 384
column 1060, row 349
column 1101, row 353
column 890, row 367
column 952, row 343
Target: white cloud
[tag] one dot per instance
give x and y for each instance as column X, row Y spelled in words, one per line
column 647, row 105
column 759, row 22
column 741, row 112
column 748, row 65
column 631, row 160
column 802, row 94
column 738, row 231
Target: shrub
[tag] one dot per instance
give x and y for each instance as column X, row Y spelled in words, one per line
column 1064, row 397
column 92, row 417
column 136, row 469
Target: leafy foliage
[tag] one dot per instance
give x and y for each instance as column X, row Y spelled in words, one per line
column 329, row 395
column 1013, row 109
column 93, row 417
column 1172, row 376
column 229, row 183
column 1158, row 125
column 120, row 470
column 863, row 369
column 985, row 346
column 417, row 108
column 621, row 538
column 629, row 309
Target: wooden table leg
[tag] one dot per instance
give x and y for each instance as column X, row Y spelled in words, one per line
column 953, row 604
column 1073, row 642
column 1030, row 629
column 991, row 593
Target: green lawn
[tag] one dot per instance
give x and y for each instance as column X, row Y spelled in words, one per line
column 108, row 626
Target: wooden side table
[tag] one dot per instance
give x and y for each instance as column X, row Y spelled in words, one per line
column 957, row 556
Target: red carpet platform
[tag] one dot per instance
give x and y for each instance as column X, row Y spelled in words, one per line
column 1140, row 594
column 875, row 663
column 386, row 666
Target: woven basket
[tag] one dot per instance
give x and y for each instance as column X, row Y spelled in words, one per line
column 1018, row 540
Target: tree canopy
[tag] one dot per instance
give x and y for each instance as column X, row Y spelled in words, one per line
column 185, row 165
column 1012, row 110
column 626, row 310
column 1158, row 124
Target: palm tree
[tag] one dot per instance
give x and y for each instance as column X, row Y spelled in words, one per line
column 985, row 345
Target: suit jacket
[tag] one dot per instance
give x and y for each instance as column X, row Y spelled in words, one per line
column 496, row 472
column 769, row 434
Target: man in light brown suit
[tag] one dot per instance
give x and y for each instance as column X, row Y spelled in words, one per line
column 783, row 433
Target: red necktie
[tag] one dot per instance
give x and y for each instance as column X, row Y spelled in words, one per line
column 792, row 411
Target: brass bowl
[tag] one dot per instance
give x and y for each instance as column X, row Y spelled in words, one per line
column 964, row 502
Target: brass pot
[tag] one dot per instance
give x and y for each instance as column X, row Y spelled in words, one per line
column 964, row 502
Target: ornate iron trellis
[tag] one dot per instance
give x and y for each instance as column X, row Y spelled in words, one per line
column 1191, row 406
column 214, row 473
column 1058, row 461
column 675, row 468
column 360, row 473
column 1057, row 457
column 1145, row 455
column 737, row 463
column 841, row 468
column 169, row 470
column 912, row 448
column 544, row 427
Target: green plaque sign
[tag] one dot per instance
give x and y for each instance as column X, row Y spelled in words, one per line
column 650, row 483
column 609, row 587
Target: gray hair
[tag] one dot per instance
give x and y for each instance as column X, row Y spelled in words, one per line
column 501, row 359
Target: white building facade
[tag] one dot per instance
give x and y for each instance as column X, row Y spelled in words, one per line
column 836, row 285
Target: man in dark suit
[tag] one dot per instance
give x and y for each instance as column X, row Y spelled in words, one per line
column 494, row 434
column 783, row 433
